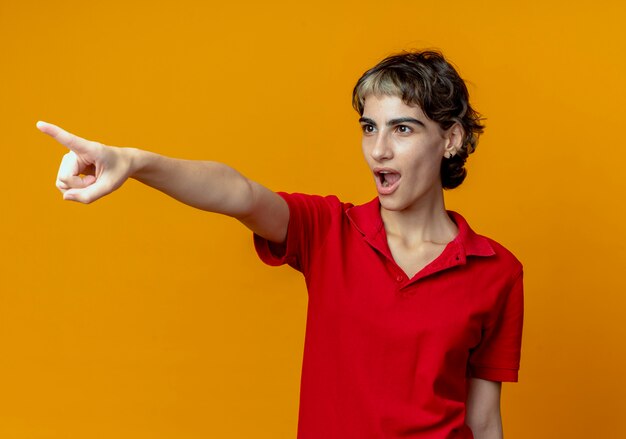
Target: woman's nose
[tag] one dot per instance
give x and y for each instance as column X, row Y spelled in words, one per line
column 382, row 149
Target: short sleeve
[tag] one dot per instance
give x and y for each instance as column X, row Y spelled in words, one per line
column 497, row 356
column 310, row 217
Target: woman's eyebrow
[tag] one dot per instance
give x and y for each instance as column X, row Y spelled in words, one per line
column 367, row 120
column 393, row 122
column 400, row 120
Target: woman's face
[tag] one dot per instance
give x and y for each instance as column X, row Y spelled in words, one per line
column 404, row 150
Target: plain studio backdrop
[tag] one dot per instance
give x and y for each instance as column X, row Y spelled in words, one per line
column 139, row 317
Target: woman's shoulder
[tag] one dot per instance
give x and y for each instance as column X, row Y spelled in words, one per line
column 331, row 201
column 504, row 256
column 491, row 250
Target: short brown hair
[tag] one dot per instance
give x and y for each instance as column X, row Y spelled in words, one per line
column 427, row 79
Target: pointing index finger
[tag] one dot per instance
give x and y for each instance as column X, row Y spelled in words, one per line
column 71, row 141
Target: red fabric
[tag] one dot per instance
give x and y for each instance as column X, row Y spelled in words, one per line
column 386, row 356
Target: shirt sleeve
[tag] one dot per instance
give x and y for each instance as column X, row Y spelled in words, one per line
column 310, row 218
column 497, row 356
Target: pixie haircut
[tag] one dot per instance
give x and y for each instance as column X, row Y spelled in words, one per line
column 427, row 79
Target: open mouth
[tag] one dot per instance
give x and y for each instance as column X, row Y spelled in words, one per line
column 388, row 178
column 386, row 181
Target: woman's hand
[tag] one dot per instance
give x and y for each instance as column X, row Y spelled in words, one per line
column 90, row 170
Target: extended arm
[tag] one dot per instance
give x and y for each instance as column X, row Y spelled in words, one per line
column 483, row 409
column 91, row 170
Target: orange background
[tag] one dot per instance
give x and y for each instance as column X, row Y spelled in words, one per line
column 139, row 317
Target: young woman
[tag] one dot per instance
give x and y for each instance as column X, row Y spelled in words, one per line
column 414, row 320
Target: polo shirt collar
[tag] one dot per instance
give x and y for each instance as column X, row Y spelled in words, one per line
column 367, row 220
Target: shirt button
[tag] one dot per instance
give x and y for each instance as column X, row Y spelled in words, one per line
column 400, row 278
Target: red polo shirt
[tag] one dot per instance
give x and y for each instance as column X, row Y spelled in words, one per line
column 386, row 356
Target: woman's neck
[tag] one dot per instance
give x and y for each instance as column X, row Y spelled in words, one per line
column 424, row 222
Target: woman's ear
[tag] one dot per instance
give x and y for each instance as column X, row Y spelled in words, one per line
column 454, row 140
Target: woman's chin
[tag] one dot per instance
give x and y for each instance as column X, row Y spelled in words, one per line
column 391, row 203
